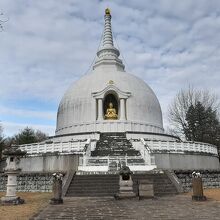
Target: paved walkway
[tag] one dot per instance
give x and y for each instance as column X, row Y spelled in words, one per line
column 173, row 207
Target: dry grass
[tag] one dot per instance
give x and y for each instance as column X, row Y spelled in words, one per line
column 33, row 203
column 213, row 194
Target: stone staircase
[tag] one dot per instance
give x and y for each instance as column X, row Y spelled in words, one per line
column 114, row 144
column 93, row 185
column 162, row 184
column 100, row 185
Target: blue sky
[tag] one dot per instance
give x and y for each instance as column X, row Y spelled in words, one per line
column 47, row 45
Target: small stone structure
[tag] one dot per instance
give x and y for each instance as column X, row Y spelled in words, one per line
column 145, row 189
column 125, row 184
column 12, row 170
column 197, row 187
column 57, row 189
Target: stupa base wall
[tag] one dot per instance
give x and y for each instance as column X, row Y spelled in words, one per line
column 129, row 135
column 110, row 126
column 186, row 161
column 30, row 182
column 47, row 163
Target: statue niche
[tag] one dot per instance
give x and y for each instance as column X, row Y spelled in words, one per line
column 110, row 107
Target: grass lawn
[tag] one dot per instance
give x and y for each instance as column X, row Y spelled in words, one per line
column 33, row 203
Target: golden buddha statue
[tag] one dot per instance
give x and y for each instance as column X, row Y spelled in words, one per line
column 111, row 113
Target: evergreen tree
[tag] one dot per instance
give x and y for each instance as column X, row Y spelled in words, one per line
column 26, row 136
column 29, row 135
column 202, row 125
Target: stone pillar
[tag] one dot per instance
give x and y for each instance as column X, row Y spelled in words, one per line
column 100, row 109
column 12, row 184
column 57, row 189
column 12, row 170
column 122, row 109
column 197, row 187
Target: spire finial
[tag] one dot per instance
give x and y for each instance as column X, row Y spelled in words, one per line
column 107, row 36
column 108, row 54
column 107, row 11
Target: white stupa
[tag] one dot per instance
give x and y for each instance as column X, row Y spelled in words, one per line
column 83, row 107
column 110, row 116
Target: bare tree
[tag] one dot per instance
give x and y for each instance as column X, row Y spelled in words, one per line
column 2, row 20
column 181, row 103
column 40, row 136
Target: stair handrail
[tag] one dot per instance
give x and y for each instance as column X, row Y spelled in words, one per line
column 146, row 145
column 175, row 180
column 147, row 152
column 88, row 147
column 67, row 180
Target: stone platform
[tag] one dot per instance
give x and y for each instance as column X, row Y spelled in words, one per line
column 172, row 207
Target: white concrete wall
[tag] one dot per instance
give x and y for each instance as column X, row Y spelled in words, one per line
column 49, row 163
column 186, row 161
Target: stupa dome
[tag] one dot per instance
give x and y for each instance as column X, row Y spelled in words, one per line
column 84, row 105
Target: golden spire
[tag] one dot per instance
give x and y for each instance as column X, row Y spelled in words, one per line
column 107, row 11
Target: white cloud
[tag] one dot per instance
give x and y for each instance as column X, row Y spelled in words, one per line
column 49, row 115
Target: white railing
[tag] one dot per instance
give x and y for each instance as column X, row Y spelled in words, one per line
column 181, row 147
column 99, row 161
column 105, row 163
column 76, row 147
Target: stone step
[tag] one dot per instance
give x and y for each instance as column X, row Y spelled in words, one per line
column 88, row 177
column 89, row 185
column 93, row 185
column 114, row 144
column 108, row 184
column 94, row 190
column 95, row 181
column 90, row 195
